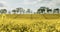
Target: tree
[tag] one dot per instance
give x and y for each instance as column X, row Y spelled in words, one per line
column 17, row 9
column 29, row 11
column 56, row 10
column 41, row 10
column 21, row 10
column 49, row 10
column 14, row 11
column 3, row 11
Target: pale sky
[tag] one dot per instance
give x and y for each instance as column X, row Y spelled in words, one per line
column 32, row 4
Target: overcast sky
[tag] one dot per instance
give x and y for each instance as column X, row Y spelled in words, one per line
column 32, row 4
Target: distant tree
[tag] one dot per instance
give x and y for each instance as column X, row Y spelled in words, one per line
column 17, row 9
column 21, row 10
column 0, row 11
column 14, row 11
column 49, row 10
column 3, row 11
column 29, row 11
column 42, row 10
column 56, row 10
column 39, row 11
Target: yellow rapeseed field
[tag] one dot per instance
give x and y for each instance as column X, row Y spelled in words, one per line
column 29, row 22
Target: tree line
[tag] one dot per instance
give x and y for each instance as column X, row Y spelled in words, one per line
column 41, row 10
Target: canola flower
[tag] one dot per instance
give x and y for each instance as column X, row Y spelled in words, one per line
column 38, row 26
column 34, row 27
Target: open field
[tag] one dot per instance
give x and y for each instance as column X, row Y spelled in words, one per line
column 30, row 23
